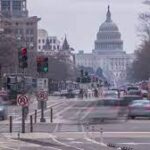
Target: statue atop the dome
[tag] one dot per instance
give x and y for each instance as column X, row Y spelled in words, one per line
column 108, row 17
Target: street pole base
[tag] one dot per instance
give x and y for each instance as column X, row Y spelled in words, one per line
column 42, row 120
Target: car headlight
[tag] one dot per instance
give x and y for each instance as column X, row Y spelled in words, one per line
column 1, row 109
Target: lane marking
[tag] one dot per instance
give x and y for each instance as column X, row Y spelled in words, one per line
column 54, row 138
column 76, row 142
column 64, row 110
column 8, row 147
column 91, row 140
column 134, row 143
column 70, row 139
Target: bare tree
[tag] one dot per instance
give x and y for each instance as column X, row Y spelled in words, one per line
column 8, row 53
column 60, row 68
column 140, row 69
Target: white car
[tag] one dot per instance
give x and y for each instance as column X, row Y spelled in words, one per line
column 110, row 94
column 76, row 91
column 56, row 93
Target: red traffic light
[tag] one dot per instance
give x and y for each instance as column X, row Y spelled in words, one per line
column 24, row 51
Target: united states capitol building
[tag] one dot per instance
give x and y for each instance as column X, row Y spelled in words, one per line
column 108, row 53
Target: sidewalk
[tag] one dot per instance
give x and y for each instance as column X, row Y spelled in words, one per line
column 77, row 135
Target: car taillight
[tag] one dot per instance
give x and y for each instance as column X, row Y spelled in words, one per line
column 130, row 107
column 147, row 107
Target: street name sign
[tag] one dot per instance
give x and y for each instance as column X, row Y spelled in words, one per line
column 22, row 100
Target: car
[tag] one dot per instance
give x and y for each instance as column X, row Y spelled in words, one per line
column 76, row 91
column 132, row 88
column 70, row 94
column 144, row 93
column 134, row 92
column 110, row 94
column 139, row 108
column 3, row 110
column 56, row 93
column 63, row 92
column 124, row 102
column 127, row 99
column 99, row 110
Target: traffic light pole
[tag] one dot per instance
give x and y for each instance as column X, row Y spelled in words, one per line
column 42, row 119
column 42, row 67
column 23, row 108
column 23, row 119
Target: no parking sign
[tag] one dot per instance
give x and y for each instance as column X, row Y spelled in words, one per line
column 22, row 100
column 42, row 96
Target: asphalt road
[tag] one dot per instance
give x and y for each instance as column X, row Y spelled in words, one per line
column 69, row 132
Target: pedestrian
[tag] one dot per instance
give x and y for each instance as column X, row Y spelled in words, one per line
column 81, row 93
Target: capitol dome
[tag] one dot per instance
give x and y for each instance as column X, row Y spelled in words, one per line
column 108, row 26
column 108, row 36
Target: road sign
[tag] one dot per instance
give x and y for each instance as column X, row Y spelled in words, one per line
column 3, row 93
column 22, row 100
column 42, row 84
column 42, row 95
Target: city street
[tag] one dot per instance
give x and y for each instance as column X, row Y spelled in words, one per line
column 68, row 131
column 74, row 75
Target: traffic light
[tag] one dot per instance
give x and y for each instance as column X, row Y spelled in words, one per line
column 42, row 64
column 23, row 57
column 45, row 65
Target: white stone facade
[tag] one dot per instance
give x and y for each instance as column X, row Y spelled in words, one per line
column 108, row 53
column 48, row 44
column 42, row 37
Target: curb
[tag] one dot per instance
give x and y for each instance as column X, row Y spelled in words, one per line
column 119, row 147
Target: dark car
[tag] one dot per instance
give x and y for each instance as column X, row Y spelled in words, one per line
column 126, row 100
column 134, row 92
column 3, row 109
column 70, row 94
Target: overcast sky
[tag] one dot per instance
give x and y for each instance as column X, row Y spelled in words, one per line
column 80, row 19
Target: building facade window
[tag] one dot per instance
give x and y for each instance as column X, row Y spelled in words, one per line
column 5, row 5
column 17, row 5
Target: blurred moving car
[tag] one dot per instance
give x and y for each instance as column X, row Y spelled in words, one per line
column 3, row 114
column 139, row 108
column 99, row 110
column 56, row 93
column 132, row 88
column 125, row 101
column 144, row 93
column 110, row 94
column 70, row 94
column 3, row 110
column 76, row 91
column 63, row 92
column 134, row 92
